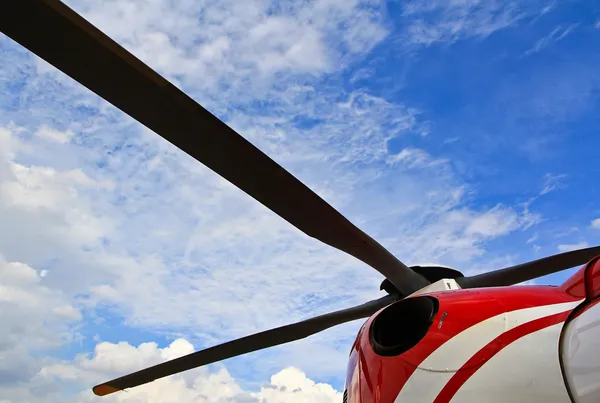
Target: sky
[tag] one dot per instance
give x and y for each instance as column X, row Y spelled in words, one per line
column 457, row 132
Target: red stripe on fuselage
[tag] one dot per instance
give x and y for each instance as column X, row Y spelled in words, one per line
column 469, row 368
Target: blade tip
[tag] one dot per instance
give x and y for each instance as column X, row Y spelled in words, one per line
column 104, row 389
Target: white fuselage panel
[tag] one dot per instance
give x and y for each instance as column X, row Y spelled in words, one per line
column 581, row 356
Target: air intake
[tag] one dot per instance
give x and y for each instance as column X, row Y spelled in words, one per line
column 400, row 326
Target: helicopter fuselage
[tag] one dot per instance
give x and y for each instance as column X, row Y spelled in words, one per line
column 500, row 344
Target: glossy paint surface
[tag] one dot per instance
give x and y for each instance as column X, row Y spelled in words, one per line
column 464, row 357
column 527, row 369
column 580, row 344
column 592, row 279
column 581, row 354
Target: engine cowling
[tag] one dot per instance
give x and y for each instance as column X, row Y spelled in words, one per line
column 492, row 345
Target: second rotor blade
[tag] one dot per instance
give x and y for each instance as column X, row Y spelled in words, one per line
column 530, row 270
column 64, row 39
column 258, row 341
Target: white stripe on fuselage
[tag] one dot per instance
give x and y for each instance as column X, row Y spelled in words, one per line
column 428, row 380
column 512, row 376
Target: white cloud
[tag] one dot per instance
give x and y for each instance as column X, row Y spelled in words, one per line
column 217, row 45
column 570, row 247
column 459, row 235
column 595, row 223
column 433, row 21
column 414, row 158
column 43, row 206
column 557, row 34
column 495, row 222
column 552, row 183
column 104, row 293
column 35, row 318
column 198, row 385
column 51, row 134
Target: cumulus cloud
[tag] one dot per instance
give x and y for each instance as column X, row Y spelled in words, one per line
column 35, row 318
column 198, row 385
column 595, row 223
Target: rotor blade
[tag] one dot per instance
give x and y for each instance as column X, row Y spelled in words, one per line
column 64, row 39
column 258, row 341
column 530, row 270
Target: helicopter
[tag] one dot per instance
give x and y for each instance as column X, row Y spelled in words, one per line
column 437, row 336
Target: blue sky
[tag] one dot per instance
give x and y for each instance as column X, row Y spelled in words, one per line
column 457, row 132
